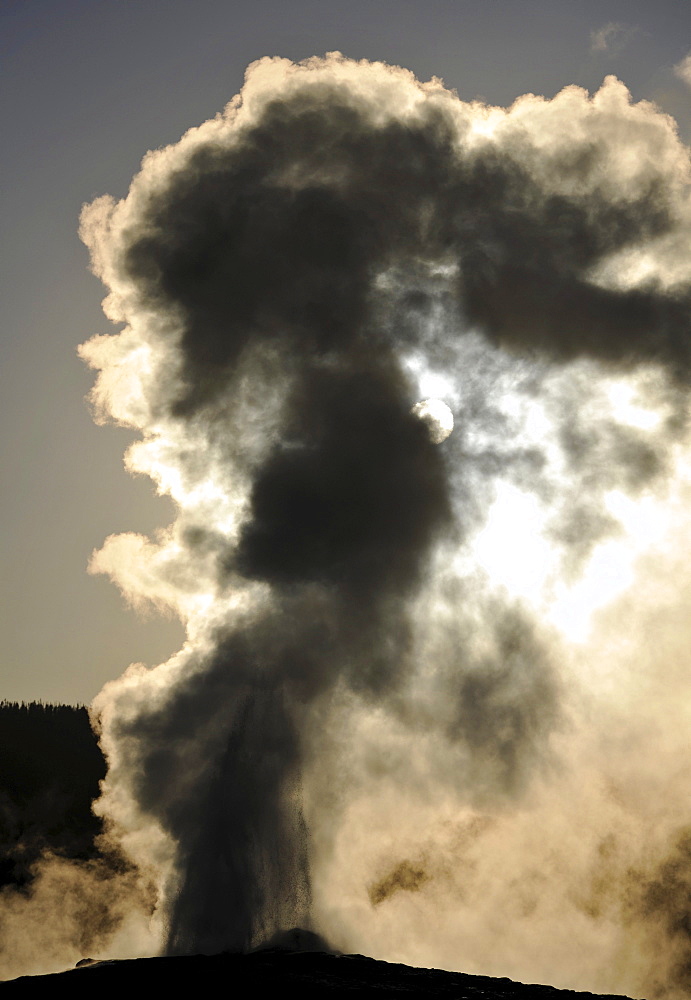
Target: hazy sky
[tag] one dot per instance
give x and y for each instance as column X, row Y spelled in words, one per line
column 87, row 89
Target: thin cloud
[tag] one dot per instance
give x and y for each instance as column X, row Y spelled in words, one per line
column 611, row 38
column 683, row 70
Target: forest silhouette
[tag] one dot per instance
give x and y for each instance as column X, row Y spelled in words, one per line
column 50, row 767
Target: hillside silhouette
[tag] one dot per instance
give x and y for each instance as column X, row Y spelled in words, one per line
column 277, row 972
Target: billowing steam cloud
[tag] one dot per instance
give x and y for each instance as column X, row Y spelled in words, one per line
column 396, row 718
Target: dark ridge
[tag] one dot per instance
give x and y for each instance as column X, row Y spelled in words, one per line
column 278, row 972
column 50, row 768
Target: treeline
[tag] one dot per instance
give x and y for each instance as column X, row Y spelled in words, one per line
column 50, row 767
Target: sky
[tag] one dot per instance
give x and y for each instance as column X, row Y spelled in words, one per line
column 87, row 89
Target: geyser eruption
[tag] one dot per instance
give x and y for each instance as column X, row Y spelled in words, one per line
column 380, row 714
column 249, row 291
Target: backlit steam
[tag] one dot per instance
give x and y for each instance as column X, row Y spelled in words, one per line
column 432, row 701
column 436, row 416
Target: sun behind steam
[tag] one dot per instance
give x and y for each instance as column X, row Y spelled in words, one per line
column 437, row 416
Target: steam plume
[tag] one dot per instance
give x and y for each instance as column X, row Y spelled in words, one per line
column 375, row 654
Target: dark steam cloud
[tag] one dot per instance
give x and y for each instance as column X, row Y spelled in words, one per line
column 405, row 877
